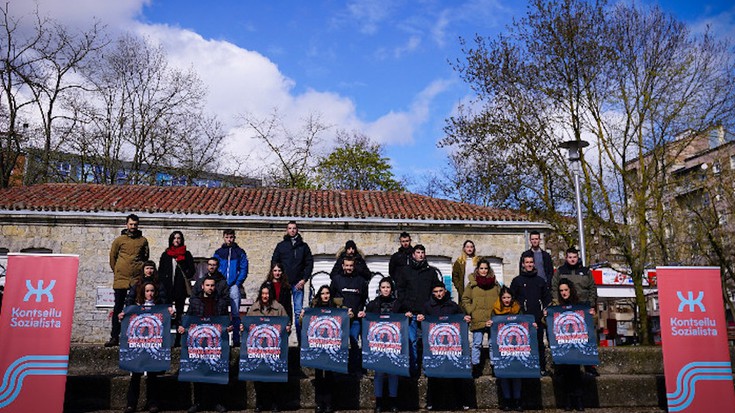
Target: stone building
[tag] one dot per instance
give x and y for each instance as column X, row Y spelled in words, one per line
column 84, row 219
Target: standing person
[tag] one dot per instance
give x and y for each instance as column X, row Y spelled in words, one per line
column 149, row 274
column 267, row 306
column 441, row 304
column 584, row 284
column 532, row 293
column 298, row 263
column 176, row 269
column 323, row 379
column 414, row 287
column 384, row 303
column 146, row 295
column 127, row 254
column 350, row 290
column 220, row 282
column 479, row 297
column 233, row 264
column 401, row 257
column 281, row 289
column 569, row 374
column 463, row 268
column 542, row 259
column 511, row 388
column 350, row 250
column 207, row 303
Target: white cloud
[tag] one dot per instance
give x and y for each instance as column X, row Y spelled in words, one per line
column 369, row 14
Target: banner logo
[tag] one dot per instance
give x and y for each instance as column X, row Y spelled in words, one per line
column 146, row 331
column 513, row 340
column 384, row 337
column 325, row 332
column 39, row 291
column 264, row 342
column 204, row 344
column 29, row 366
column 444, row 340
column 690, row 301
column 570, row 328
column 691, row 373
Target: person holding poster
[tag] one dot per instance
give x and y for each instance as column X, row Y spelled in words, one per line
column 384, row 303
column 350, row 290
column 266, row 306
column 569, row 374
column 440, row 304
column 146, row 295
column 207, row 303
column 478, row 299
column 533, row 295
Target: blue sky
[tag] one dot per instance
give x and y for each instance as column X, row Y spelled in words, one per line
column 377, row 66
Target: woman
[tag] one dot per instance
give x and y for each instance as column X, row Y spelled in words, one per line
column 146, row 295
column 569, row 374
column 281, row 288
column 323, row 379
column 149, row 274
column 176, row 269
column 464, row 267
column 267, row 306
column 384, row 303
column 510, row 388
column 479, row 297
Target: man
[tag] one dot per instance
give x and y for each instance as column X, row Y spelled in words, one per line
column 220, row 286
column 128, row 253
column 233, row 264
column 533, row 295
column 298, row 263
column 401, row 257
column 351, row 289
column 361, row 267
column 207, row 303
column 583, row 282
column 415, row 283
column 542, row 259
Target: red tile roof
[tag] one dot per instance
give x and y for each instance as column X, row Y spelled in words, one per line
column 267, row 202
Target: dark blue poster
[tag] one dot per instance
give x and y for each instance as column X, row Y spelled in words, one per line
column 385, row 343
column 205, row 350
column 264, row 349
column 514, row 347
column 325, row 339
column 572, row 337
column 446, row 347
column 145, row 344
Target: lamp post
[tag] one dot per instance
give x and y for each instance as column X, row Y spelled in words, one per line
column 574, row 148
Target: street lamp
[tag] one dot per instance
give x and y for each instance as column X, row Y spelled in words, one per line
column 574, row 148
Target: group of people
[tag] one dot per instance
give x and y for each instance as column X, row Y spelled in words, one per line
column 413, row 288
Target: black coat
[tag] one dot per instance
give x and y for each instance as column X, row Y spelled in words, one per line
column 220, row 285
column 173, row 281
column 548, row 264
column 296, row 258
column 197, row 307
column 414, row 285
column 353, row 290
column 532, row 293
column 361, row 267
column 441, row 307
column 399, row 259
column 382, row 305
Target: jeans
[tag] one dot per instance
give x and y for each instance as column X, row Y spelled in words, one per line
column 392, row 384
column 355, row 353
column 298, row 305
column 120, row 294
column 477, row 337
column 511, row 388
column 235, row 313
column 414, row 334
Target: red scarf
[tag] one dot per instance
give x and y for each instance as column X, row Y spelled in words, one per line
column 277, row 288
column 485, row 283
column 177, row 252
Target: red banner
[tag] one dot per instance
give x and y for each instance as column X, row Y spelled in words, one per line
column 694, row 338
column 35, row 331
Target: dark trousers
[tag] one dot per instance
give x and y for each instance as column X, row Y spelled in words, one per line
column 151, row 389
column 541, row 346
column 120, row 294
column 209, row 394
column 438, row 388
column 266, row 394
column 323, row 385
column 571, row 379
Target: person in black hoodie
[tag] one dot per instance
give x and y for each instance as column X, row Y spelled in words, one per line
column 350, row 290
column 414, row 289
column 298, row 263
column 532, row 293
column 441, row 304
column 384, row 303
column 350, row 250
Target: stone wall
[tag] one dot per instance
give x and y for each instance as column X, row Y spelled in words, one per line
column 90, row 236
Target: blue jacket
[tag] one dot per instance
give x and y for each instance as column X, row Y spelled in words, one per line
column 233, row 263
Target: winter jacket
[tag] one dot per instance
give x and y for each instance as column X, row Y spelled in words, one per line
column 352, row 289
column 382, row 305
column 414, row 285
column 296, row 258
column 458, row 270
column 169, row 270
column 532, row 293
column 133, row 291
column 220, row 285
column 445, row 306
column 583, row 282
column 197, row 306
column 274, row 310
column 548, row 264
column 128, row 253
column 397, row 260
column 233, row 263
column 361, row 267
column 478, row 302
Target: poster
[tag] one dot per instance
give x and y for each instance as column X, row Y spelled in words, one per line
column 145, row 342
column 514, row 347
column 385, row 343
column 264, row 349
column 571, row 333
column 446, row 347
column 205, row 350
column 325, row 338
